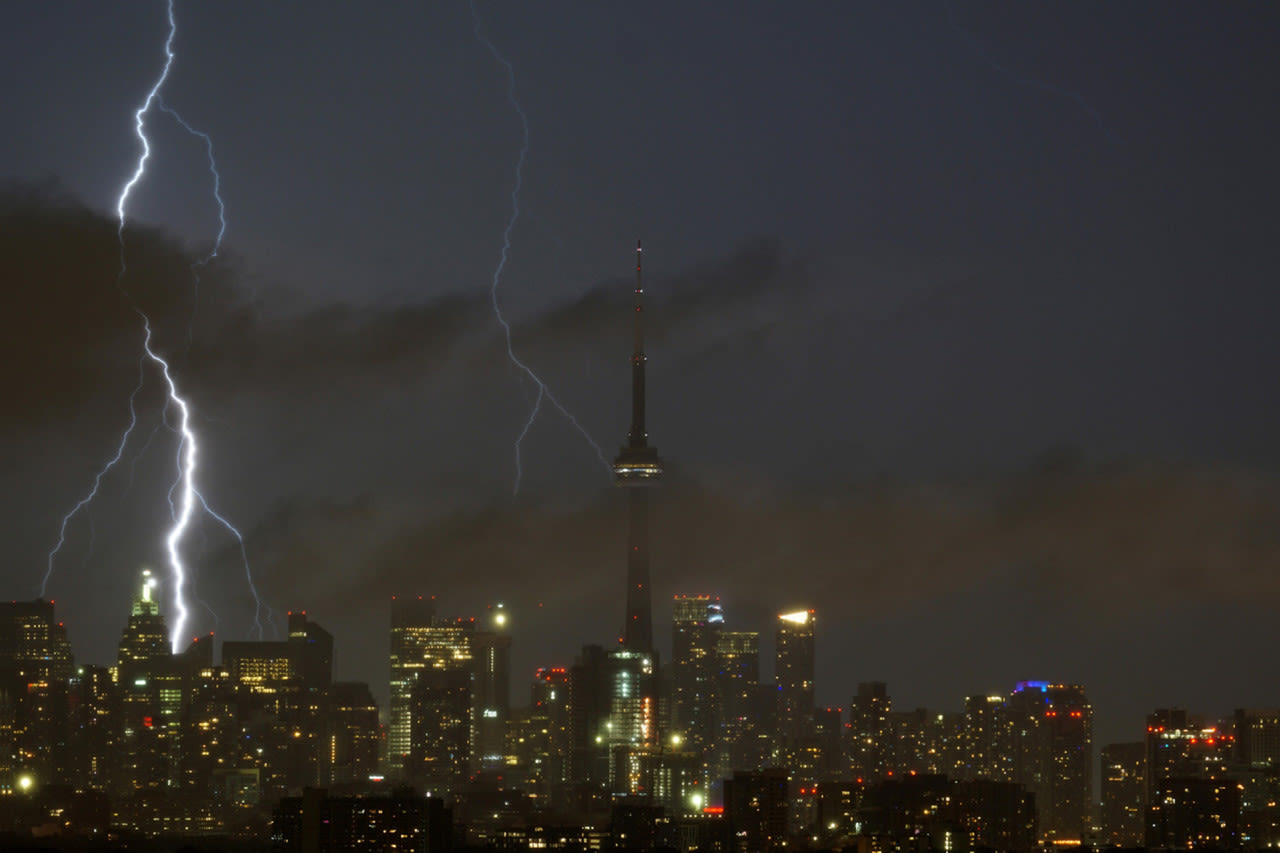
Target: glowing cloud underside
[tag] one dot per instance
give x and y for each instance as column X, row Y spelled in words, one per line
column 543, row 391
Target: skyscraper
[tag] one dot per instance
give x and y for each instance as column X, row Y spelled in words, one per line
column 695, row 628
column 745, row 715
column 794, row 671
column 410, row 621
column 491, row 689
column 638, row 465
column 1054, row 755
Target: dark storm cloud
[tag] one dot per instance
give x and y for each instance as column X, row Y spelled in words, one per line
column 71, row 330
column 758, row 270
column 1105, row 538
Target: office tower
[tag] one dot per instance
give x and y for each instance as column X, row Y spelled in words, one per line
column 1257, row 733
column 1123, row 794
column 310, row 651
column 353, row 734
column 145, row 639
column 1180, row 745
column 410, row 620
column 695, row 629
column 303, row 661
column 869, row 731
column 746, row 713
column 151, row 686
column 538, row 739
column 757, row 809
column 92, row 726
column 440, row 705
column 1054, row 755
column 35, row 664
column 613, row 719
column 33, row 644
column 1191, row 814
column 491, row 688
column 794, row 673
column 987, row 740
column 637, row 467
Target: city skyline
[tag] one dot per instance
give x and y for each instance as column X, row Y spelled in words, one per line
column 959, row 324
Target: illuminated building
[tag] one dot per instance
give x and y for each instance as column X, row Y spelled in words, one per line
column 35, row 664
column 540, row 738
column 318, row 823
column 636, row 467
column 150, row 696
column 869, row 746
column 1123, row 794
column 613, row 719
column 353, row 734
column 440, row 704
column 1257, row 732
column 1186, row 814
column 92, row 726
column 1183, row 746
column 289, row 680
column 746, row 706
column 794, row 673
column 695, row 629
column 986, row 745
column 756, row 809
column 1054, row 755
column 410, row 619
column 491, row 688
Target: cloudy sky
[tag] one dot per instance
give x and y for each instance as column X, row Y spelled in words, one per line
column 962, row 325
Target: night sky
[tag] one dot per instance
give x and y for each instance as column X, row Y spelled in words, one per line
column 962, row 326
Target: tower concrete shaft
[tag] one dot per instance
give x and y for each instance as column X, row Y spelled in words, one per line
column 638, row 465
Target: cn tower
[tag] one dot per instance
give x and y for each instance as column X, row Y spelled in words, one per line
column 638, row 466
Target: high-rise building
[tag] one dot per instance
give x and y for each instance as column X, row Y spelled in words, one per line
column 1054, row 755
column 491, row 688
column 613, row 719
column 757, row 809
column 1123, row 794
column 1257, row 732
column 794, row 672
column 1180, row 745
column 745, row 713
column 987, row 740
column 35, row 664
column 441, row 703
column 410, row 621
column 869, row 731
column 637, row 467
column 695, row 629
column 539, row 740
column 353, row 734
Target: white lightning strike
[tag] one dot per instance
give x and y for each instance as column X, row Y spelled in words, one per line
column 186, row 476
column 185, row 483
column 97, row 481
column 543, row 391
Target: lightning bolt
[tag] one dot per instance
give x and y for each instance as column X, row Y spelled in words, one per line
column 188, row 495
column 97, row 481
column 544, row 392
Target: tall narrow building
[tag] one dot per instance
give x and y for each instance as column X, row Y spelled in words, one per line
column 638, row 465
